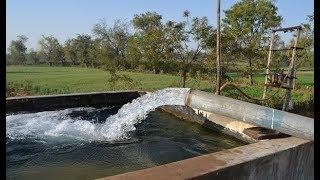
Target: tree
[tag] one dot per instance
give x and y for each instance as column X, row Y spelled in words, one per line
column 246, row 24
column 150, row 39
column 109, row 47
column 113, row 39
column 305, row 57
column 132, row 53
column 83, row 45
column 182, row 34
column 279, row 58
column 8, row 59
column 32, row 57
column 51, row 51
column 17, row 50
column 70, row 52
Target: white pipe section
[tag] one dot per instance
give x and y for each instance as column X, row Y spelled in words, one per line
column 288, row 123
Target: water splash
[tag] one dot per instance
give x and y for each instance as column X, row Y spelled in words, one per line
column 117, row 125
column 59, row 126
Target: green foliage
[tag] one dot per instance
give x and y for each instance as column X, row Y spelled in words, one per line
column 249, row 21
column 32, row 57
column 17, row 50
column 150, row 39
column 111, row 43
column 133, row 54
column 8, row 59
column 179, row 37
column 51, row 51
column 27, row 87
column 305, row 57
column 147, row 22
column 19, row 88
column 246, row 26
column 157, row 46
column 122, row 78
column 83, row 46
column 70, row 52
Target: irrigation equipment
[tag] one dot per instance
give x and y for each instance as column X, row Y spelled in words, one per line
column 280, row 79
column 277, row 79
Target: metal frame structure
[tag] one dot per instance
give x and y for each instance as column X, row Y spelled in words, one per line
column 279, row 79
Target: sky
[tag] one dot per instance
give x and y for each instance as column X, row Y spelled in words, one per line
column 66, row 18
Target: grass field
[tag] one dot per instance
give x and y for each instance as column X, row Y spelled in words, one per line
column 304, row 78
column 74, row 79
column 26, row 80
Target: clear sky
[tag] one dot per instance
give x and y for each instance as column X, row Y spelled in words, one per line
column 66, row 18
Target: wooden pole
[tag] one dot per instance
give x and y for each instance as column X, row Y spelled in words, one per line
column 268, row 65
column 291, row 73
column 218, row 83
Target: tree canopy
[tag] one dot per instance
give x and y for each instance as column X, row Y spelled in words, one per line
column 246, row 24
column 51, row 51
column 17, row 50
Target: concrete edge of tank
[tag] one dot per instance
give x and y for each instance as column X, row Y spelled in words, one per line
column 285, row 158
column 60, row 101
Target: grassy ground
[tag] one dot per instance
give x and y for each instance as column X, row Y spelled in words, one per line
column 304, row 78
column 58, row 80
column 74, row 79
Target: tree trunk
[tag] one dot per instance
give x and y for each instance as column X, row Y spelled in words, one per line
column 250, row 71
column 92, row 64
column 184, row 76
column 156, row 70
column 63, row 63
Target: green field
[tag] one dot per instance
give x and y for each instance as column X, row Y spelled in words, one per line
column 74, row 79
column 27, row 80
column 304, row 78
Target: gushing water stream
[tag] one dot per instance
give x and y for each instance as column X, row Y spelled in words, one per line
column 59, row 126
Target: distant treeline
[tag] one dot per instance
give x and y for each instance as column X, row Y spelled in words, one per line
column 146, row 43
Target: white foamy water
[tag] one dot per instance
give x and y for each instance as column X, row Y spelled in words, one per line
column 59, row 126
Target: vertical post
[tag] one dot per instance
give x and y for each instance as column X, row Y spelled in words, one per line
column 218, row 83
column 294, row 80
column 291, row 73
column 268, row 65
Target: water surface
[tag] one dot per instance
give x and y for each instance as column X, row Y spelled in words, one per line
column 61, row 147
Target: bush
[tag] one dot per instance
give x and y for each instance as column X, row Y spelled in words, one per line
column 26, row 88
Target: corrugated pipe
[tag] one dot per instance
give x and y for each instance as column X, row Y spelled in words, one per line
column 284, row 122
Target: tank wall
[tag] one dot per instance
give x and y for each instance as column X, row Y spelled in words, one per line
column 287, row 158
column 54, row 102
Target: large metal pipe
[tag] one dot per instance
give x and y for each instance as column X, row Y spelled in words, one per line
column 288, row 123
